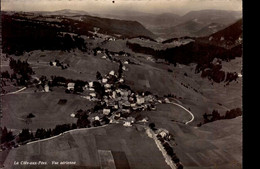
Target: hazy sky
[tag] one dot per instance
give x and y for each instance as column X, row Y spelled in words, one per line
column 103, row 6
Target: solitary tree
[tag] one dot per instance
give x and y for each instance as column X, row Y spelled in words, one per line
column 152, row 126
column 25, row 135
column 98, row 75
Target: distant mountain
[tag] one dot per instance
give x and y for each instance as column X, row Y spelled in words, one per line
column 212, row 16
column 148, row 20
column 65, row 12
column 79, row 22
column 184, row 29
column 165, row 25
column 166, row 19
column 115, row 26
column 228, row 37
column 197, row 23
column 225, row 44
column 210, row 29
column 30, row 31
column 106, row 23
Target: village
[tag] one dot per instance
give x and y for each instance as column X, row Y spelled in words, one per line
column 117, row 100
column 115, row 103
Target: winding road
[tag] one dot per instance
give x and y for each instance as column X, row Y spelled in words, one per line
column 192, row 116
column 70, row 131
column 22, row 89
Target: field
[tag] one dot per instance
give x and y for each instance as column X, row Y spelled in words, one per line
column 167, row 113
column 159, row 46
column 198, row 94
column 214, row 145
column 81, row 65
column 209, row 146
column 48, row 113
column 126, row 147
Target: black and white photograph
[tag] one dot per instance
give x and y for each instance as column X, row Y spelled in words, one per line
column 121, row 84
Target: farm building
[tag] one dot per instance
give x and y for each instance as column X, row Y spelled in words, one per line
column 107, row 86
column 93, row 94
column 139, row 100
column 112, row 73
column 106, row 111
column 90, row 84
column 71, row 86
column 104, row 80
column 127, row 124
column 46, row 88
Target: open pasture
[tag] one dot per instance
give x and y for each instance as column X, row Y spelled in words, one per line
column 123, row 147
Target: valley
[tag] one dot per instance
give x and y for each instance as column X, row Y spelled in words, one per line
column 105, row 93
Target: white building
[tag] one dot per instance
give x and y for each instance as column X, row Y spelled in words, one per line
column 85, row 87
column 71, row 86
column 116, row 106
column 91, row 89
column 88, row 97
column 90, row 84
column 126, row 110
column 46, row 88
column 93, row 94
column 127, row 124
column 106, row 111
column 139, row 100
column 121, row 80
column 133, row 105
column 104, row 80
column 112, row 72
column 111, row 39
column 107, row 86
column 96, row 118
column 108, row 90
column 164, row 133
column 72, row 115
column 167, row 100
column 114, row 94
column 144, row 120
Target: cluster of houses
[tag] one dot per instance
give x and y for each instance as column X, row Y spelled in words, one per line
column 95, row 35
column 117, row 101
column 163, row 133
column 110, row 38
column 167, row 142
column 110, row 53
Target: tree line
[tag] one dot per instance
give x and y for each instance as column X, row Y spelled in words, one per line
column 214, row 116
column 22, row 72
column 28, row 35
column 195, row 52
column 168, row 148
